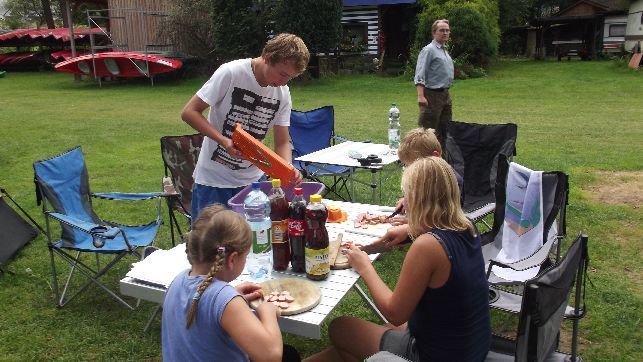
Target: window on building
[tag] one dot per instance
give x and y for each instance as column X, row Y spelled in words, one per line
column 617, row 29
column 354, row 37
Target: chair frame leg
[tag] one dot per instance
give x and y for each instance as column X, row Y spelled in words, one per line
column 370, row 303
column 91, row 274
column 151, row 318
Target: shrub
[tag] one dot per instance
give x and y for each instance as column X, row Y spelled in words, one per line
column 238, row 28
column 318, row 23
column 474, row 32
column 189, row 27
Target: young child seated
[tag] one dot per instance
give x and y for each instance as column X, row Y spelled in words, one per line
column 422, row 142
column 440, row 301
column 204, row 317
column 416, row 144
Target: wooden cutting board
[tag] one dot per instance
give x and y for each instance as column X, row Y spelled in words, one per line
column 307, row 295
column 376, row 230
column 341, row 262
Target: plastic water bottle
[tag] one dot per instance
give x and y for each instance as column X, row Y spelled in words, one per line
column 394, row 127
column 256, row 207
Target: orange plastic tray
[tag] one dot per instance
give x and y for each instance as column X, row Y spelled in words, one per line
column 261, row 156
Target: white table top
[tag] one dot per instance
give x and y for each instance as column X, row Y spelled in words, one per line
column 338, row 154
column 149, row 279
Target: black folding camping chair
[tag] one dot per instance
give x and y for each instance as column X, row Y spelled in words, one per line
column 15, row 232
column 473, row 150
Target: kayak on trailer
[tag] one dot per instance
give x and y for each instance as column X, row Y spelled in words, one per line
column 119, row 64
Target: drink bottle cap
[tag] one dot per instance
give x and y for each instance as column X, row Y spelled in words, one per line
column 299, row 191
column 315, row 198
column 255, row 185
column 276, row 182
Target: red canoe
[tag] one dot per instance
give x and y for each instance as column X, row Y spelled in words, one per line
column 65, row 55
column 119, row 64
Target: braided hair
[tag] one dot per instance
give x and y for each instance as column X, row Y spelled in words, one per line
column 215, row 233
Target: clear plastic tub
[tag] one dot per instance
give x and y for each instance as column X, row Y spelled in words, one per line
column 309, row 188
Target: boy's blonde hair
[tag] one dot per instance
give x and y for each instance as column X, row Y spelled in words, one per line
column 215, row 233
column 417, row 143
column 432, row 197
column 287, row 47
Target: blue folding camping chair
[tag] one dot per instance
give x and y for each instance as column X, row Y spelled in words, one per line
column 63, row 183
column 311, row 131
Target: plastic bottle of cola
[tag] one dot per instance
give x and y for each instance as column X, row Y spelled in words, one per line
column 393, row 127
column 279, row 231
column 296, row 227
column 316, row 236
column 256, row 207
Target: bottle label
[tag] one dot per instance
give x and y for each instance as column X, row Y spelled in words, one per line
column 394, row 137
column 295, row 227
column 261, row 241
column 317, row 262
column 279, row 231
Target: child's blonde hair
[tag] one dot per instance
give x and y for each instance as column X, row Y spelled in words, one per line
column 286, row 47
column 432, row 197
column 215, row 233
column 417, row 143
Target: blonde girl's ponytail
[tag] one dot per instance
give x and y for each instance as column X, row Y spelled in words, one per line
column 216, row 267
column 217, row 232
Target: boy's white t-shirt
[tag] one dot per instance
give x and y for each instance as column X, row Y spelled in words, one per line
column 235, row 96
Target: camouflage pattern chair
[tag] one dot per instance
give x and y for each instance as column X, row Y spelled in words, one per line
column 180, row 154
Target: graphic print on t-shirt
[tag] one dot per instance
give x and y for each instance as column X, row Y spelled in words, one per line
column 254, row 113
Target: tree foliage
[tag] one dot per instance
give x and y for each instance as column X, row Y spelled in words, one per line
column 318, row 23
column 475, row 34
column 189, row 27
column 238, row 28
column 49, row 13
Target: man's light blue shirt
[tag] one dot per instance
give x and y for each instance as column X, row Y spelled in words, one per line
column 434, row 67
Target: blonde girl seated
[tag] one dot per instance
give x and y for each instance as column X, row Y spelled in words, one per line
column 440, row 301
column 204, row 317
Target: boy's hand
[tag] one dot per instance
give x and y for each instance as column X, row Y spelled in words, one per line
column 229, row 147
column 296, row 177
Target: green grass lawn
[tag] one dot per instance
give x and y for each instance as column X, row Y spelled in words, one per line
column 579, row 117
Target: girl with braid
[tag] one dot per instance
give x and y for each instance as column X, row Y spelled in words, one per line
column 204, row 317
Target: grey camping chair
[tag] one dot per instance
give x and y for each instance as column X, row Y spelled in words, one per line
column 541, row 309
column 555, row 187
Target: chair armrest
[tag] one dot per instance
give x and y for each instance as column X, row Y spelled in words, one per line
column 129, row 196
column 535, row 259
column 102, row 231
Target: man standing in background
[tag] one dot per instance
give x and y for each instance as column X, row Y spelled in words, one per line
column 433, row 78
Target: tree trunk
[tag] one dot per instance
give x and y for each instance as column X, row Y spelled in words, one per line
column 63, row 7
column 46, row 11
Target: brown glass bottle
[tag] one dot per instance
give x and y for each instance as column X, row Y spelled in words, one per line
column 279, row 230
column 316, row 237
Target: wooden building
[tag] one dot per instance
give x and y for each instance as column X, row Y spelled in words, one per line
column 576, row 30
column 134, row 24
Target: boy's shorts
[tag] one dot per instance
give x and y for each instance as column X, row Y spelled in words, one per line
column 204, row 196
column 401, row 343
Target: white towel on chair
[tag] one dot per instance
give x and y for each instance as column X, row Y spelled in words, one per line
column 522, row 232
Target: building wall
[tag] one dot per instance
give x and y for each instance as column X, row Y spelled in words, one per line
column 580, row 10
column 367, row 15
column 135, row 23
